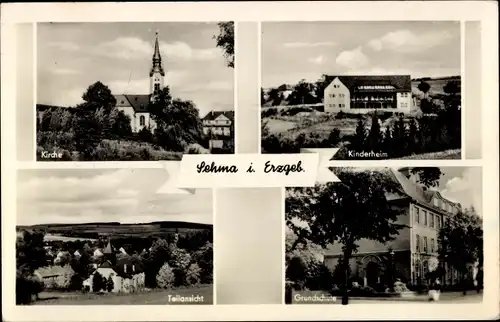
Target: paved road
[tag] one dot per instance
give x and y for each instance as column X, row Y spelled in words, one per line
column 448, row 297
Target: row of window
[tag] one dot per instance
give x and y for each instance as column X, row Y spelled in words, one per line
column 340, row 95
column 423, row 242
column 217, row 122
column 405, row 94
column 404, row 105
column 428, row 218
column 373, row 98
column 335, row 105
column 219, row 129
column 444, row 205
column 376, row 87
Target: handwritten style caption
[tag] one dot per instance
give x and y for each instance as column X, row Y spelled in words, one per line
column 253, row 170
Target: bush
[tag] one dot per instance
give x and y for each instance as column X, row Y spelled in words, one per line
column 76, row 282
column 295, row 110
column 272, row 111
column 165, row 277
column 418, row 288
column 380, row 287
column 364, row 291
column 27, row 288
column 110, row 284
column 98, row 282
column 196, row 148
column 145, row 135
column 193, row 274
column 112, row 150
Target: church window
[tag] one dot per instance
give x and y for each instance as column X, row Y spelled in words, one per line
column 142, row 120
column 157, row 87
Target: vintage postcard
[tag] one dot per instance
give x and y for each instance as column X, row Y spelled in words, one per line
column 250, row 161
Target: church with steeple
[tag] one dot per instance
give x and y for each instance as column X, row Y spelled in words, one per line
column 135, row 106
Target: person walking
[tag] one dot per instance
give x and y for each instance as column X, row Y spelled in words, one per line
column 435, row 290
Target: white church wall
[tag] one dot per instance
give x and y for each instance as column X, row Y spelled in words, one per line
column 143, row 120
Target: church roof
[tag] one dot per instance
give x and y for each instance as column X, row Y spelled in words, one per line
column 139, row 102
column 212, row 115
column 401, row 83
column 156, row 67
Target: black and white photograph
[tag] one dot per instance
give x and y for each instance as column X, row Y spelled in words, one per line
column 386, row 235
column 372, row 89
column 112, row 237
column 134, row 91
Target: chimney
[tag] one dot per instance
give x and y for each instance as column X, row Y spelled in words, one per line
column 125, row 268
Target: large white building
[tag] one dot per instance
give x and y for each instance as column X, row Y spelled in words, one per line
column 363, row 94
column 424, row 212
column 135, row 106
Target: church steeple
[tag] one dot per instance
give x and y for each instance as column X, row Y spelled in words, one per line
column 156, row 74
column 156, row 67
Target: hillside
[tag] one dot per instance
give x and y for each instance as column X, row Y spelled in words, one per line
column 115, row 229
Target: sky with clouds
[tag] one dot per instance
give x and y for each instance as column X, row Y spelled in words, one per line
column 107, row 195
column 72, row 56
column 292, row 51
column 463, row 185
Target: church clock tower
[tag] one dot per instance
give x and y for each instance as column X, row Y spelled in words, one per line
column 156, row 74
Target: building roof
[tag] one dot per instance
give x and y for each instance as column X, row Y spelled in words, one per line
column 212, row 115
column 156, row 66
column 417, row 192
column 139, row 102
column 402, row 83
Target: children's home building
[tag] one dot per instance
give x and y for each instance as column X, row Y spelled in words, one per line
column 363, row 94
column 408, row 256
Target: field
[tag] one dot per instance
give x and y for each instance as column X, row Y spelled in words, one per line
column 437, row 85
column 277, row 126
column 93, row 230
column 444, row 155
column 107, row 150
column 321, row 124
column 152, row 297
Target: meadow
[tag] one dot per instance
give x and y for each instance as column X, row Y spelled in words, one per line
column 151, row 297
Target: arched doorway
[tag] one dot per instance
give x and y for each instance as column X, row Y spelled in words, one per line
column 372, row 273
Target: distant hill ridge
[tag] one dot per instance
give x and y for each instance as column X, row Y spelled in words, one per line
column 163, row 224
